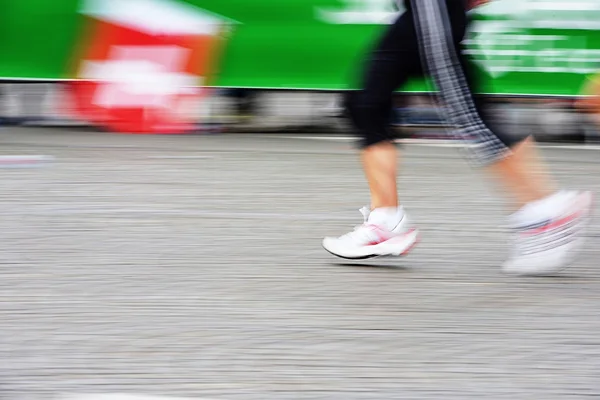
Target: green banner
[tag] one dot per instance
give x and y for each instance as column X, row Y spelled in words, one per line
column 542, row 47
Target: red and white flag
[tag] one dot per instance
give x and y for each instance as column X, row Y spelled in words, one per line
column 143, row 62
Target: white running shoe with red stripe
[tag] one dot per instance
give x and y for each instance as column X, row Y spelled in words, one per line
column 369, row 240
column 554, row 243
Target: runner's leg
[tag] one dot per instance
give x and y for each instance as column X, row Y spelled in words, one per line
column 386, row 230
column 549, row 224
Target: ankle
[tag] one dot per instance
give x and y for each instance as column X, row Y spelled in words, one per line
column 383, row 205
column 387, row 217
column 542, row 207
column 537, row 197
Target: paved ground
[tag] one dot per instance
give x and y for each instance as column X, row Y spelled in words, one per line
column 191, row 266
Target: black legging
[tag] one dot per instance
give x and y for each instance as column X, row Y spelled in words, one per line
column 429, row 32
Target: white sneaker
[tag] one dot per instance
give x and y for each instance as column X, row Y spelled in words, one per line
column 552, row 245
column 369, row 240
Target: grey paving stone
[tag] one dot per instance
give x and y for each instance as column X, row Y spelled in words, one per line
column 191, row 266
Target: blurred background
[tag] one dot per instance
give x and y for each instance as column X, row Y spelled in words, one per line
column 279, row 66
column 191, row 154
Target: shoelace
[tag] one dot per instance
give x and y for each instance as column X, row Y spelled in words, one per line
column 361, row 232
column 359, row 229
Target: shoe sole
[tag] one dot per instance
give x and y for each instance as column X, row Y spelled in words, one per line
column 371, row 256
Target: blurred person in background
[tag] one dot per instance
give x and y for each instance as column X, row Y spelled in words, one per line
column 245, row 103
column 548, row 223
column 2, row 104
column 589, row 102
